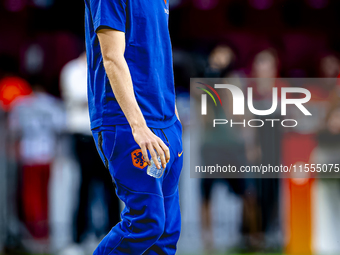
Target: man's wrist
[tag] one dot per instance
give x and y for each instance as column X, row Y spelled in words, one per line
column 138, row 125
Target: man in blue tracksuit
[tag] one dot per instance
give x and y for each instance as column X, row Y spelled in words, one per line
column 134, row 119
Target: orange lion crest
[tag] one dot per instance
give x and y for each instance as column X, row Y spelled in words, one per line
column 138, row 159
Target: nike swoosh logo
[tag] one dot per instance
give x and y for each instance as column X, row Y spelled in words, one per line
column 180, row 154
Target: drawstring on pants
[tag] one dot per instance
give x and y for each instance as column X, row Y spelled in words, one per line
column 163, row 134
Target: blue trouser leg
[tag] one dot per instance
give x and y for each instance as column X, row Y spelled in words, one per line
column 166, row 244
column 141, row 226
column 151, row 218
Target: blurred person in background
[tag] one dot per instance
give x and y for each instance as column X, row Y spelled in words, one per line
column 35, row 122
column 221, row 61
column 227, row 143
column 12, row 86
column 264, row 145
column 325, row 94
column 327, row 67
column 327, row 135
column 329, row 138
column 98, row 206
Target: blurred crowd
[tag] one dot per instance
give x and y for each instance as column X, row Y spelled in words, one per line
column 56, row 195
column 313, row 140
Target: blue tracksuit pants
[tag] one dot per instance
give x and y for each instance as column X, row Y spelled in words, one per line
column 150, row 222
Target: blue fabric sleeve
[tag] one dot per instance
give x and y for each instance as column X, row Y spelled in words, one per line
column 108, row 13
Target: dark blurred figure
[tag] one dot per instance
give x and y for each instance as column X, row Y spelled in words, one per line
column 35, row 122
column 98, row 208
column 265, row 146
column 220, row 62
column 11, row 87
column 224, row 143
column 325, row 92
column 329, row 136
column 329, row 65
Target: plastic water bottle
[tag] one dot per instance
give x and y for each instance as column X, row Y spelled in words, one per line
column 153, row 171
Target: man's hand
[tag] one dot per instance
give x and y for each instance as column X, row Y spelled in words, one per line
column 147, row 140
